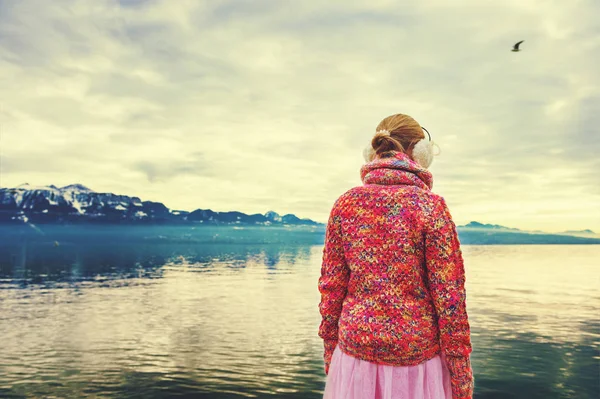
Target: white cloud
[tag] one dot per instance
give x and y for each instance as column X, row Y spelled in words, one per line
column 259, row 105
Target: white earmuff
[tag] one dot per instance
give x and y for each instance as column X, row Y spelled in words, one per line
column 423, row 151
column 369, row 153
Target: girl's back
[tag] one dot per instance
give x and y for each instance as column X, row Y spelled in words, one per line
column 392, row 280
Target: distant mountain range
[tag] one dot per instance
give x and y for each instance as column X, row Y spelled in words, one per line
column 481, row 234
column 78, row 204
column 477, row 225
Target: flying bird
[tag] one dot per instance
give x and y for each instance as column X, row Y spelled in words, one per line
column 516, row 46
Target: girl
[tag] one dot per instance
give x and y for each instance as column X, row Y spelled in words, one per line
column 393, row 301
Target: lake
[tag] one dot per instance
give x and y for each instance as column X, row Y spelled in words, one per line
column 223, row 312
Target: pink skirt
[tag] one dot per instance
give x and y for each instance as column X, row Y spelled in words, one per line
column 352, row 378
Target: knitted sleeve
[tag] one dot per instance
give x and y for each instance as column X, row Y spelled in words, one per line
column 332, row 286
column 446, row 281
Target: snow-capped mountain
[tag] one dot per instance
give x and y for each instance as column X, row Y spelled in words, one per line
column 273, row 217
column 77, row 203
column 74, row 199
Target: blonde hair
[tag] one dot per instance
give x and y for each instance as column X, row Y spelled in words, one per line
column 404, row 133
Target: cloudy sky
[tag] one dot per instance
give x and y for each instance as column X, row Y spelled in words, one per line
column 257, row 105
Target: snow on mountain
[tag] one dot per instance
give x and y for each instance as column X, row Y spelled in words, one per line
column 78, row 203
column 27, row 196
column 273, row 216
column 27, row 186
column 79, row 188
column 74, row 198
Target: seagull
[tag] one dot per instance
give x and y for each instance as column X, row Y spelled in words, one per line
column 516, row 46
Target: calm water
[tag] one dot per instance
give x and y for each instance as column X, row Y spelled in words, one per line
column 222, row 313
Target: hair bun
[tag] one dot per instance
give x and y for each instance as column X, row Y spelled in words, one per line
column 383, row 143
column 395, row 133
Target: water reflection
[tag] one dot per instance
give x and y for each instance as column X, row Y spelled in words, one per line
column 71, row 254
column 122, row 318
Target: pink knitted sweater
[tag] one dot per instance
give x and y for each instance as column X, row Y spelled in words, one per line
column 392, row 280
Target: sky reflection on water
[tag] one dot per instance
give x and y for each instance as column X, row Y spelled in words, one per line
column 129, row 320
